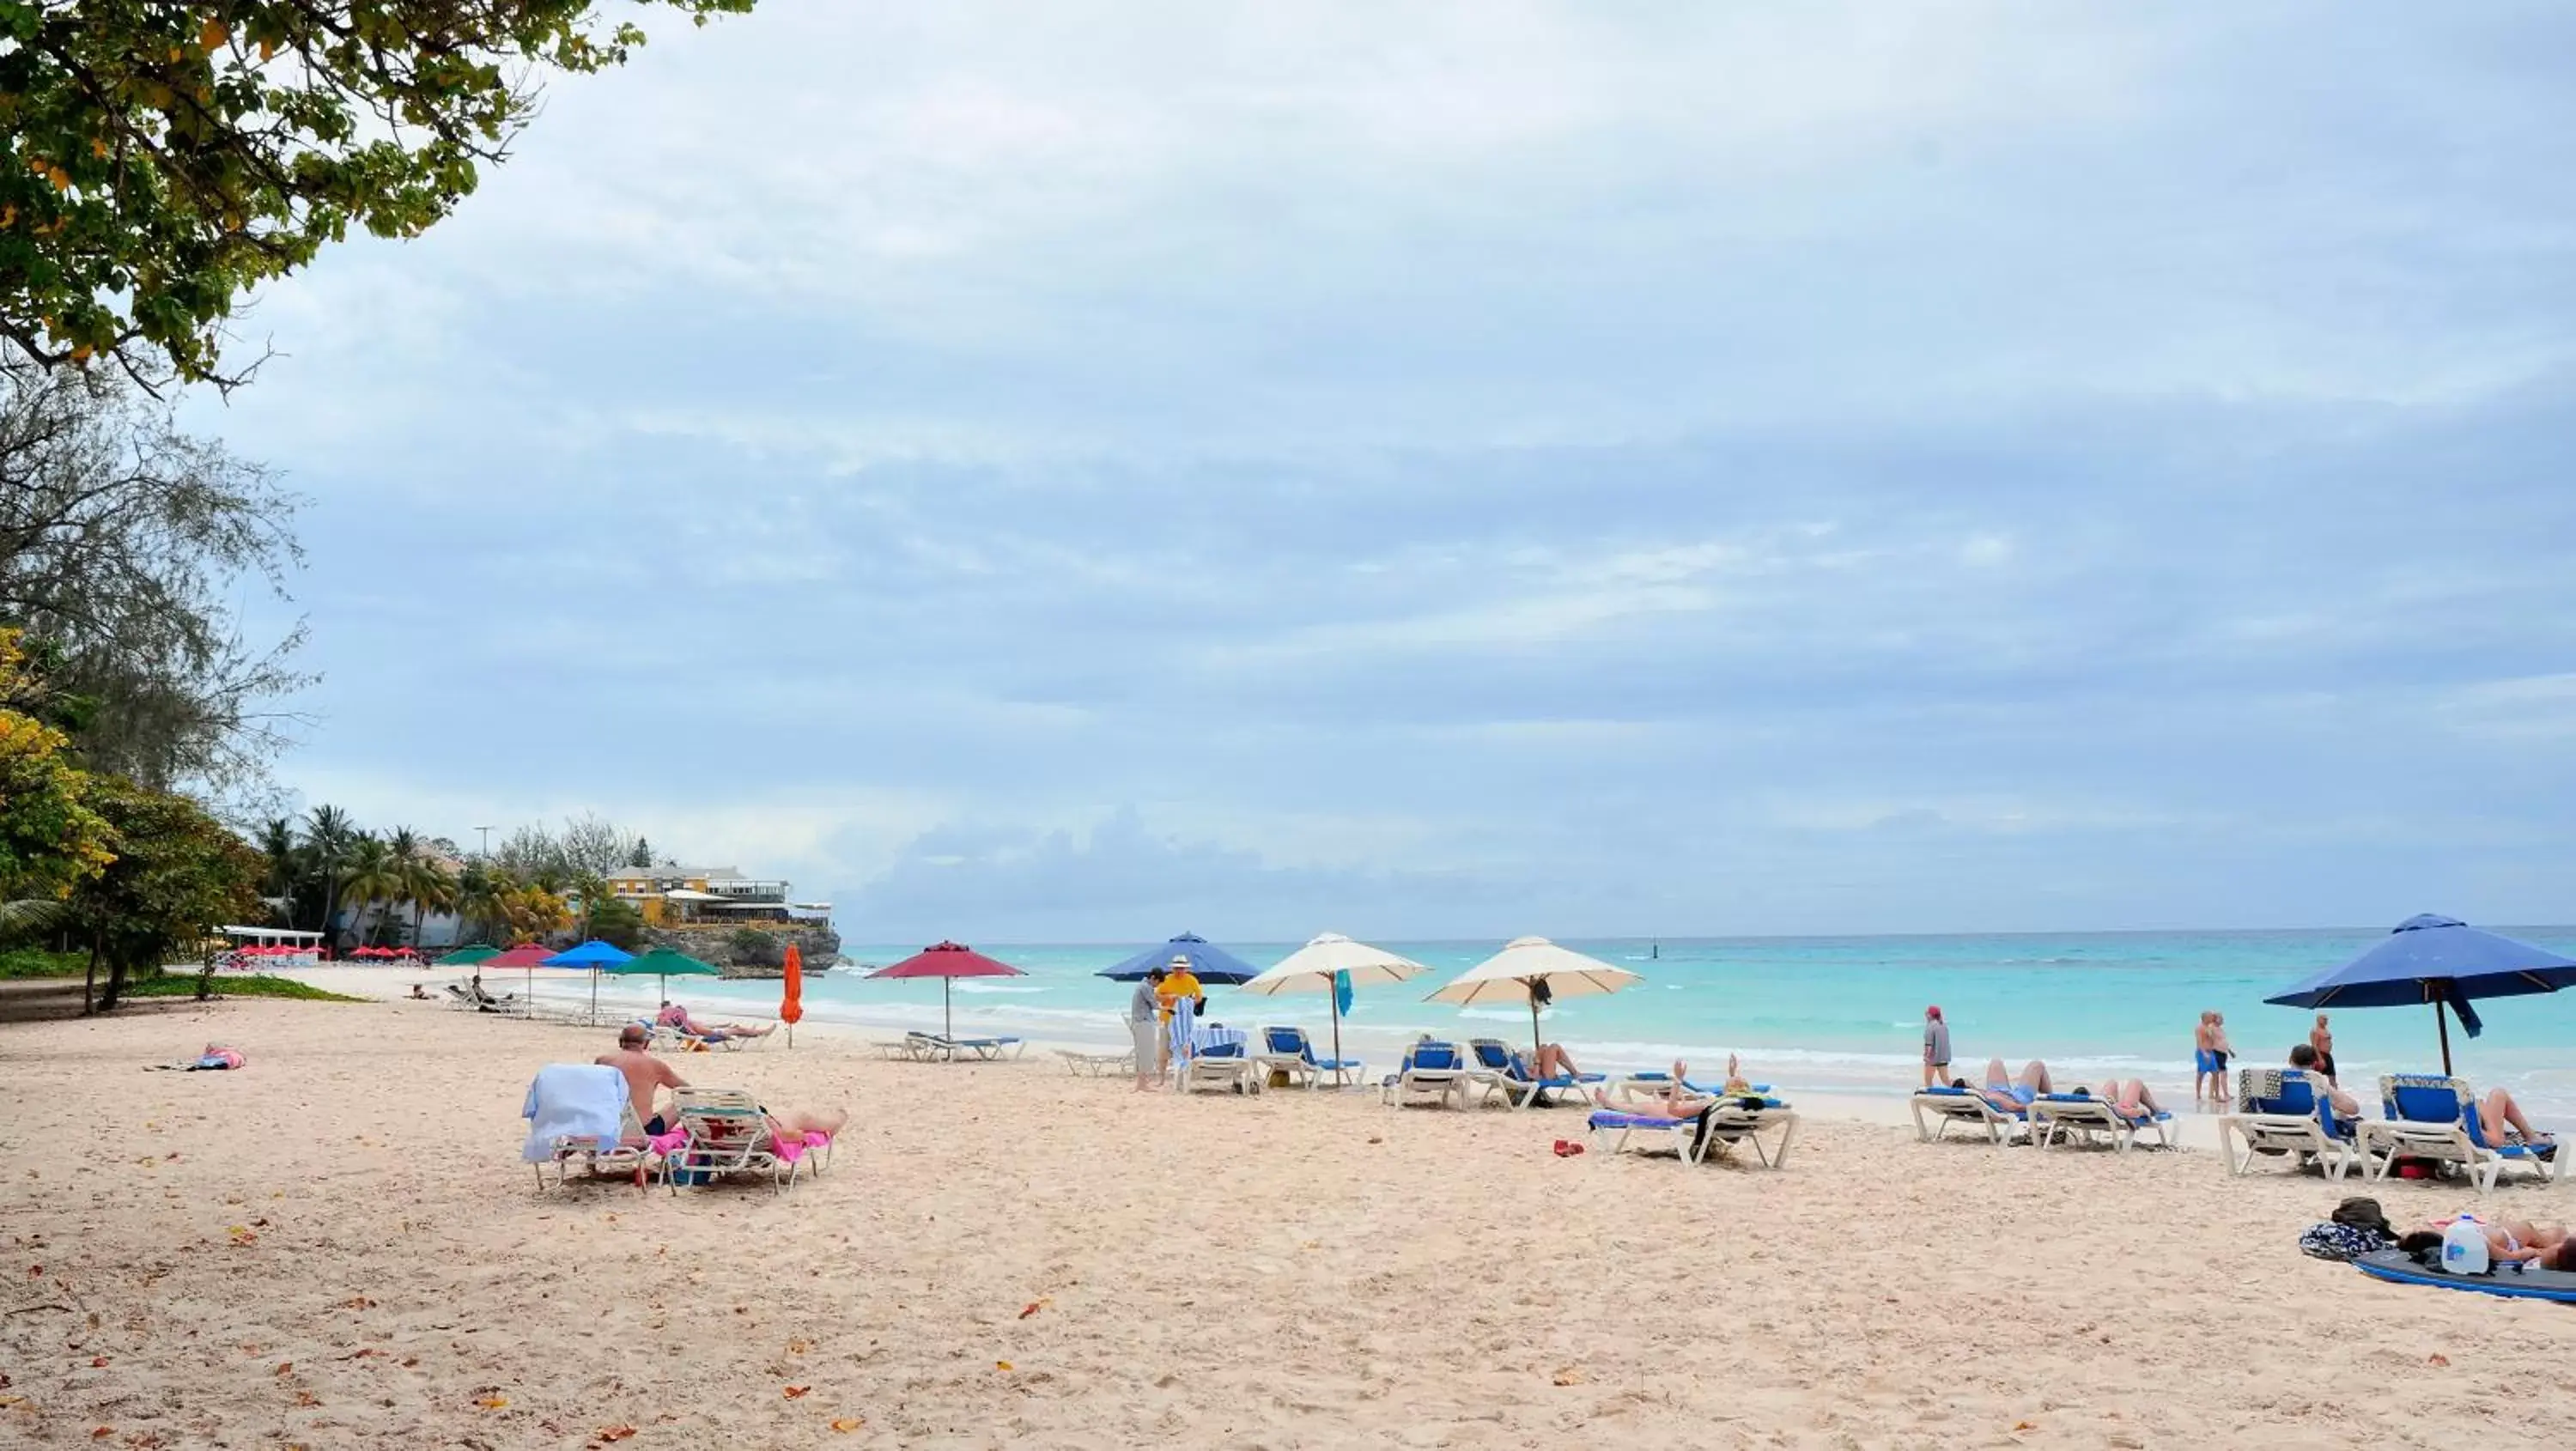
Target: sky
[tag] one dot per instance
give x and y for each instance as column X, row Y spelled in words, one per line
column 1085, row 472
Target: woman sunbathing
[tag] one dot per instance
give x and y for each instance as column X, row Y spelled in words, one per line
column 2509, row 1241
column 2011, row 1095
column 2498, row 1108
column 2131, row 1100
column 1677, row 1100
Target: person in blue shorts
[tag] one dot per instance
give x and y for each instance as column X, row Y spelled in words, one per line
column 2012, row 1094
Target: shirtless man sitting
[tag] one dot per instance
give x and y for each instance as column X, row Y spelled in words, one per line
column 644, row 1073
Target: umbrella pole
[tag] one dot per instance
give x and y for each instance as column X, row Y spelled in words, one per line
column 1534, row 1043
column 594, row 997
column 1334, row 998
column 528, row 1009
column 2442, row 1025
column 947, row 1012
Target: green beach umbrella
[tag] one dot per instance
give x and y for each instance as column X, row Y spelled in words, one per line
column 664, row 963
column 471, row 955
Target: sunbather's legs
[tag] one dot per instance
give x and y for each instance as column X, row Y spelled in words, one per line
column 2034, row 1076
column 1996, row 1077
column 1553, row 1062
column 2499, row 1108
column 808, row 1121
column 2132, row 1098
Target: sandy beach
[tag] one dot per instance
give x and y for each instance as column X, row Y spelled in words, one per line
column 338, row 1246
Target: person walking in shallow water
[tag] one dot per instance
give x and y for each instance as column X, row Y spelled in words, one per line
column 1936, row 1048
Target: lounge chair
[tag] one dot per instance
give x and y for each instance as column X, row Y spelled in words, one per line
column 569, row 1109
column 1654, row 1083
column 2082, row 1118
column 458, row 997
column 1500, row 1070
column 2280, row 1113
column 2422, row 1119
column 1096, row 1065
column 909, row 1046
column 940, row 1045
column 1289, row 1051
column 1430, row 1073
column 1221, row 1065
column 2497, row 1153
column 1936, row 1109
column 725, row 1132
column 1714, row 1133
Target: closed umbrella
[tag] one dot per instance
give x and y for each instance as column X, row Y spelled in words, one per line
column 1535, row 971
column 2438, row 960
column 594, row 955
column 1207, row 964
column 948, row 961
column 791, row 1002
column 1327, row 964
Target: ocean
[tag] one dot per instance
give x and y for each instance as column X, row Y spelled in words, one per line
column 1824, row 1014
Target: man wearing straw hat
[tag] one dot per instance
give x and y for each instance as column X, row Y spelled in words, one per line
column 1179, row 985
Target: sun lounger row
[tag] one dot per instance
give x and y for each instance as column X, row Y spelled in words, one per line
column 2285, row 1113
column 2045, row 1119
column 1442, row 1073
column 928, row 1047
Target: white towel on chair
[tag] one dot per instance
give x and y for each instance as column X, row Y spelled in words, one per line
column 571, row 1101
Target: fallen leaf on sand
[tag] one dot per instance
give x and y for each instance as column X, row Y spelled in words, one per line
column 797, row 1392
column 1001, row 1365
column 1033, row 1307
column 494, row 1403
column 307, row 1398
column 286, row 1367
column 848, row 1423
column 98, row 1362
column 2025, row 1425
column 7, row 1401
column 799, row 1346
column 357, row 1302
column 614, row 1433
column 1570, row 1376
column 101, row 1433
column 2438, row 1359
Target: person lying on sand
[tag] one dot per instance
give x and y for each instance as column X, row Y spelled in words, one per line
column 2509, row 1241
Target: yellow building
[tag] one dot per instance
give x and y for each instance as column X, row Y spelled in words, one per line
column 679, row 897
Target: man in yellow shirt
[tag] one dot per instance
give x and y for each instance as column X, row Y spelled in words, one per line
column 1177, row 984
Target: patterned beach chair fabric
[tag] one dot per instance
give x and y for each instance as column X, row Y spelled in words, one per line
column 1431, row 1073
column 2082, row 1118
column 725, row 1132
column 2421, row 1118
column 2281, row 1114
column 1500, row 1070
column 1937, row 1109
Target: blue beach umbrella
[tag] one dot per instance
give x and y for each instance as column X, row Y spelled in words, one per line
column 2437, row 960
column 594, row 955
column 1210, row 964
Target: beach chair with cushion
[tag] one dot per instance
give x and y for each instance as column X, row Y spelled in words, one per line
column 582, row 1112
column 2499, row 1151
column 2421, row 1120
column 1289, row 1051
column 1937, row 1109
column 1433, row 1073
column 724, row 1131
column 1715, row 1132
column 2281, row 1113
column 1221, row 1065
column 1500, row 1070
column 2080, row 1118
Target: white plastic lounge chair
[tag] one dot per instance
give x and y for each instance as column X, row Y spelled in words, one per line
column 1936, row 1109
column 1500, row 1070
column 1645, row 1084
column 910, row 1046
column 938, row 1045
column 2423, row 1120
column 1221, row 1065
column 1289, row 1051
column 2082, row 1118
column 1714, row 1133
column 2496, row 1152
column 726, row 1134
column 2281, row 1114
column 1434, row 1073
column 1097, row 1065
column 570, row 1109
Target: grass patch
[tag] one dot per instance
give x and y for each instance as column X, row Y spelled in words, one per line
column 20, row 962
column 184, row 985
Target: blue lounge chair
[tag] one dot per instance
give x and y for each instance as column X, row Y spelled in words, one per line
column 1500, row 1070
column 1288, row 1051
column 1714, row 1132
column 1431, row 1073
column 939, row 1045
column 2496, row 1153
column 2082, row 1118
column 2281, row 1113
column 1936, row 1109
column 2421, row 1118
column 1221, row 1065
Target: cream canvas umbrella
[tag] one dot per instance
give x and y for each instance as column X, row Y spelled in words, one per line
column 1535, row 971
column 1313, row 967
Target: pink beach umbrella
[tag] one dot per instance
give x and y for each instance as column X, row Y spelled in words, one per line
column 948, row 961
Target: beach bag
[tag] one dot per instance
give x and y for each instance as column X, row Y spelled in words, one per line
column 2342, row 1243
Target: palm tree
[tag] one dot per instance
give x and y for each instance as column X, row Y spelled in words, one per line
column 481, row 898
column 428, row 885
column 371, row 876
column 328, row 832
column 285, row 862
column 403, row 845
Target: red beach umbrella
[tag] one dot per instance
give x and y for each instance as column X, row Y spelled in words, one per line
column 948, row 961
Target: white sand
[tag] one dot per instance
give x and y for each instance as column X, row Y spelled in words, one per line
column 338, row 1246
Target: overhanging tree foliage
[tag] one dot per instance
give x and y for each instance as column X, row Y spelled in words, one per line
column 160, row 158
column 121, row 541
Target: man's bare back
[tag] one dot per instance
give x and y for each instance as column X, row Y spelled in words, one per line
column 644, row 1074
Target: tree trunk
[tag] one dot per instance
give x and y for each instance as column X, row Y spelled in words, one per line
column 89, row 984
column 115, row 989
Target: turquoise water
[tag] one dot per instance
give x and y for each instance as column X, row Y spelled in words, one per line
column 1820, row 1013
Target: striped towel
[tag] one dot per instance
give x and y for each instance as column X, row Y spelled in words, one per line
column 1202, row 1039
column 1184, row 1039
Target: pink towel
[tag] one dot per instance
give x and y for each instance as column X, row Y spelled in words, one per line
column 666, row 1144
column 792, row 1147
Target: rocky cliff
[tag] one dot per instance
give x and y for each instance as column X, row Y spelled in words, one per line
column 754, row 951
